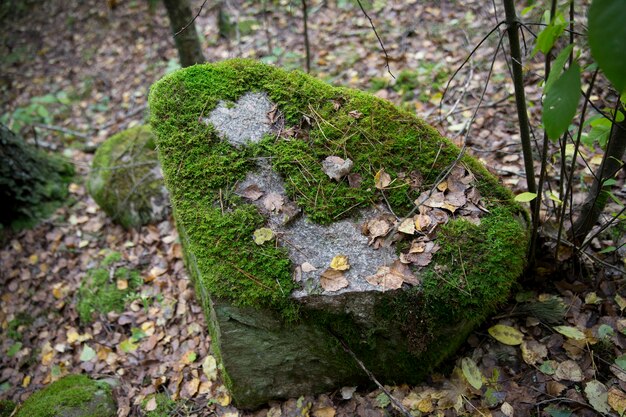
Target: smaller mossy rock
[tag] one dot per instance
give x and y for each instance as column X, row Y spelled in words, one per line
column 71, row 396
column 126, row 179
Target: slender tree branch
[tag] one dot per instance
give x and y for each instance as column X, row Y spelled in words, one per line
column 191, row 21
column 377, row 37
column 307, row 48
column 520, row 97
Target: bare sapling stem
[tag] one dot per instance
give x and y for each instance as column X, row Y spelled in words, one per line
column 307, row 49
column 520, row 96
column 611, row 163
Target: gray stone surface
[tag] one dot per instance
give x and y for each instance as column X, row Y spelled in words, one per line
column 244, row 122
column 317, row 244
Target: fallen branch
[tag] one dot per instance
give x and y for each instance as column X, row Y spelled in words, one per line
column 62, row 130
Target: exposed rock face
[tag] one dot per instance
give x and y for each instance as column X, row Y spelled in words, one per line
column 312, row 224
column 71, row 396
column 126, row 179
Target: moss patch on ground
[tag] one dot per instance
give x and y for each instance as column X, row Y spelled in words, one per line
column 202, row 170
column 124, row 180
column 70, row 394
column 6, row 408
column 106, row 288
column 165, row 406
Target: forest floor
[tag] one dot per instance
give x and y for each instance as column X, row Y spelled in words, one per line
column 74, row 73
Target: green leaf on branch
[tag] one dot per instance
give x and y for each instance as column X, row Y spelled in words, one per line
column 557, row 67
column 525, row 197
column 561, row 102
column 607, row 31
column 600, row 130
column 549, row 34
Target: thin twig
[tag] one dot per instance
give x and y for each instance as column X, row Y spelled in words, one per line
column 469, row 56
column 62, row 130
column 371, row 376
column 191, row 21
column 377, row 37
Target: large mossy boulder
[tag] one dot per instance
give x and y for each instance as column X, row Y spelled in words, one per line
column 317, row 219
column 126, row 180
column 71, row 396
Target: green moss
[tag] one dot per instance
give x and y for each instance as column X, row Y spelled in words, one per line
column 6, row 408
column 72, row 392
column 98, row 292
column 14, row 327
column 201, row 171
column 123, row 180
column 165, row 406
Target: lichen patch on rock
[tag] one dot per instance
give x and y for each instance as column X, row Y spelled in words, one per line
column 245, row 121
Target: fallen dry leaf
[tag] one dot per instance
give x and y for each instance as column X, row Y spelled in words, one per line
column 333, row 280
column 569, row 371
column 252, row 192
column 617, row 400
column 307, row 267
column 273, row 201
column 382, row 179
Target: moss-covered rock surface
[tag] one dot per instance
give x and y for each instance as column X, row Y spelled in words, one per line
column 126, row 181
column 316, row 219
column 71, row 396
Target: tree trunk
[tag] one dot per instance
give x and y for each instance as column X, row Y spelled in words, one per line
column 32, row 183
column 598, row 195
column 187, row 41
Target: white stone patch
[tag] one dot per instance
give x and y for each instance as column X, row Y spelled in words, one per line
column 244, row 122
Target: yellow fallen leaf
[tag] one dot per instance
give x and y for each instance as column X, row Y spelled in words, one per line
column 223, row 396
column 122, row 284
column 26, row 381
column 209, row 367
column 570, row 332
column 340, row 263
column 324, row 412
column 617, row 400
column 73, row 336
column 263, row 235
column 621, row 301
column 471, row 373
column 506, row 334
column 425, row 405
column 59, row 291
column 33, row 259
